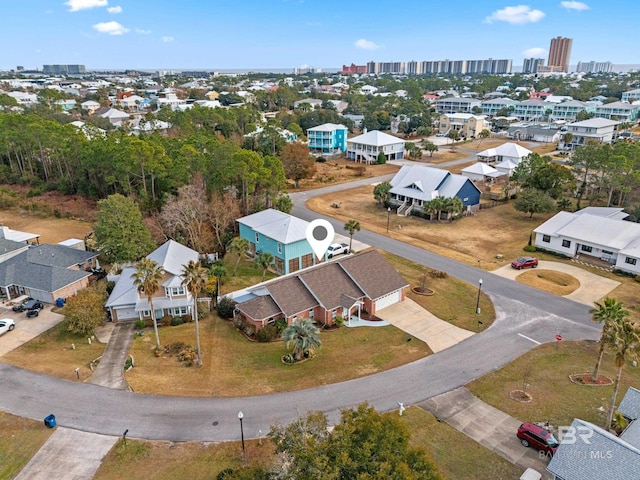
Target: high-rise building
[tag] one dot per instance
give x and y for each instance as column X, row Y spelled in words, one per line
column 531, row 65
column 559, row 54
column 594, row 67
column 63, row 69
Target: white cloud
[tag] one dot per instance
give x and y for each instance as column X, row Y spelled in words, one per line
column 579, row 6
column 76, row 5
column 366, row 44
column 517, row 15
column 111, row 28
column 535, row 52
column 168, row 39
column 142, row 31
column 117, row 9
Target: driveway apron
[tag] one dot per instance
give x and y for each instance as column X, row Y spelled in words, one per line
column 110, row 371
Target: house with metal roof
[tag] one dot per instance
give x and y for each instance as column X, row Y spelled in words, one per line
column 506, row 151
column 600, row 130
column 414, row 185
column 46, row 272
column 620, row 111
column 171, row 299
column 283, row 236
column 591, row 453
column 365, row 148
column 593, row 232
column 328, row 138
column 481, row 172
column 343, row 288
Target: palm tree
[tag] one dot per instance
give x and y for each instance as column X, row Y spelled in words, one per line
column 610, row 312
column 438, row 205
column 624, row 339
column 429, row 208
column 482, row 135
column 457, row 206
column 147, row 279
column 238, row 246
column 302, row 336
column 352, row 226
column 194, row 278
column 263, row 260
column 218, row 270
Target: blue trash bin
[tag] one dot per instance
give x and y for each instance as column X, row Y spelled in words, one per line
column 50, row 420
column 59, row 302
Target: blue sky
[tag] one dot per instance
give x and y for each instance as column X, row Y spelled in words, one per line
column 226, row 34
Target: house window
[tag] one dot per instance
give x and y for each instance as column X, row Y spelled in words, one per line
column 630, row 261
column 607, row 252
column 176, row 290
column 566, row 243
column 546, row 238
column 257, row 237
column 180, row 311
column 586, row 248
column 334, row 314
column 146, row 313
column 279, row 247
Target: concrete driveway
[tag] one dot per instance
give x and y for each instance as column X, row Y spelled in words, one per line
column 592, row 287
column 26, row 328
column 486, row 425
column 410, row 317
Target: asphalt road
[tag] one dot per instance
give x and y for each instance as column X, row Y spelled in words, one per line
column 525, row 316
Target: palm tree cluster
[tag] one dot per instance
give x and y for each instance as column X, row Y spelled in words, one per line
column 301, row 337
column 621, row 337
column 452, row 206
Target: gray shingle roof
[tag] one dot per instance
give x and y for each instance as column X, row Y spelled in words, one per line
column 630, row 404
column 329, row 283
column 7, row 246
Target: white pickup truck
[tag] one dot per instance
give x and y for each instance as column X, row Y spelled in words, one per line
column 336, row 249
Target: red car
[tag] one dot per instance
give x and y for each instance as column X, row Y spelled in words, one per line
column 525, row 262
column 532, row 435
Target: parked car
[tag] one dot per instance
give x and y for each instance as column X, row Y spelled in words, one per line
column 525, row 262
column 441, row 134
column 337, row 249
column 532, row 435
column 20, row 306
column 6, row 325
column 33, row 308
column 34, row 312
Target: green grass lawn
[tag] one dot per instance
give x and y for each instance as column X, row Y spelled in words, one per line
column 555, row 397
column 20, row 439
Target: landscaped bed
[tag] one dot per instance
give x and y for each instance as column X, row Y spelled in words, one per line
column 551, row 281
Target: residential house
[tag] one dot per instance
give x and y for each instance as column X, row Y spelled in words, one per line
column 152, row 126
column 366, row 147
column 599, row 233
column 13, row 242
column 599, row 130
column 46, row 272
column 24, row 99
column 507, row 151
column 171, row 299
column 457, row 105
column 414, row 185
column 568, row 111
column 282, row 235
column 592, row 453
column 90, row 106
column 481, row 172
column 493, row 105
column 172, row 101
column 328, row 138
column 368, row 90
column 620, row 111
column 131, row 102
column 631, row 95
column 116, row 117
column 288, row 135
column 90, row 131
column 345, row 288
column 529, row 110
column 18, row 236
column 65, row 105
column 467, row 124
column 535, row 133
column 356, row 119
column 313, row 103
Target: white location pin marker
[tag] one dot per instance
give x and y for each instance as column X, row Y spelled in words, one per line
column 320, row 234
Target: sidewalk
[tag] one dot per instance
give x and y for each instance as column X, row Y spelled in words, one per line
column 486, row 425
column 68, row 455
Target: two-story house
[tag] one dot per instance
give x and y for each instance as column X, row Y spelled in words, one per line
column 365, row 148
column 620, row 111
column 631, row 95
column 171, row 299
column 569, row 110
column 457, row 104
column 328, row 138
column 533, row 110
column 467, row 125
column 599, row 130
column 282, row 235
column 492, row 106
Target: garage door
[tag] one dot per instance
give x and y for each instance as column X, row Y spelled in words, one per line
column 388, row 300
column 127, row 313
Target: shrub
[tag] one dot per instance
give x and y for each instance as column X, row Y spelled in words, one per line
column 267, row 333
column 225, row 307
column 177, row 321
column 140, row 324
column 529, row 248
column 288, row 358
column 321, row 160
column 339, row 321
column 281, row 324
column 637, row 278
column 249, row 330
column 438, row 274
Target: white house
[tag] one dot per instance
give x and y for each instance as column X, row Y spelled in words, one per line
column 600, row 130
column 366, row 147
column 116, row 117
column 507, row 151
column 481, row 172
column 172, row 299
column 593, row 232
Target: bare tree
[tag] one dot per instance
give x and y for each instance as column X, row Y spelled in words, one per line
column 223, row 210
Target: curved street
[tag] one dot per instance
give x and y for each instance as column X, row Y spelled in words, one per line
column 525, row 316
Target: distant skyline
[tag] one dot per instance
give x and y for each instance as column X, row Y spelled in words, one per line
column 224, row 34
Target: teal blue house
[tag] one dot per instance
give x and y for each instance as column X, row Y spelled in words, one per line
column 328, row 138
column 280, row 234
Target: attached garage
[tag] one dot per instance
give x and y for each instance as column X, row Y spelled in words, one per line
column 127, row 313
column 388, row 300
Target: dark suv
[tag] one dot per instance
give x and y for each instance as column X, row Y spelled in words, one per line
column 532, row 435
column 33, row 308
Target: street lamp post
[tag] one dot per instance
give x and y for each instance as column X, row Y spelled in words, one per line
column 240, row 417
column 388, row 218
column 478, row 302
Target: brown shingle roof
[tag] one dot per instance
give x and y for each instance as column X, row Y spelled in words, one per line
column 373, row 274
column 291, row 295
column 329, row 283
column 260, row 308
